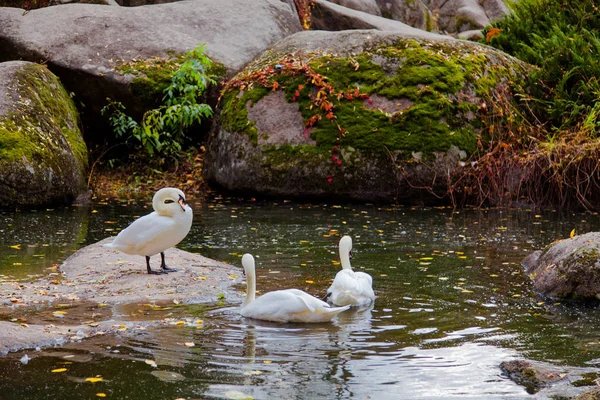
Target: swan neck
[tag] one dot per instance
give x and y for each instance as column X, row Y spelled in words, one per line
column 345, row 259
column 250, row 287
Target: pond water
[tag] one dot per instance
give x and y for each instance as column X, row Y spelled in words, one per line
column 452, row 303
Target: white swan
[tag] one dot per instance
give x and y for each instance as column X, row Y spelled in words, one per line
column 349, row 287
column 156, row 232
column 290, row 305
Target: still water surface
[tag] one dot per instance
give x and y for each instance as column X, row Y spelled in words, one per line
column 452, row 304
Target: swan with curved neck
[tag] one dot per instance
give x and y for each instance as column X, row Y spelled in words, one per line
column 290, row 305
column 349, row 287
column 158, row 231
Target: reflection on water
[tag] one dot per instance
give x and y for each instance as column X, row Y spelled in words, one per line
column 452, row 304
column 34, row 240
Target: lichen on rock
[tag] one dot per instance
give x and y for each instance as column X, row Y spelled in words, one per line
column 43, row 157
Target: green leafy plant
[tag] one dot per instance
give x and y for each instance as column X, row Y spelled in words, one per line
column 162, row 130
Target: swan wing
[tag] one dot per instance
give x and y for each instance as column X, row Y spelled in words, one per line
column 345, row 280
column 291, row 305
column 275, row 306
column 351, row 288
column 147, row 235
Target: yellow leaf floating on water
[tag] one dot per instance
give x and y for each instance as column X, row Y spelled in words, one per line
column 309, row 281
column 94, row 380
column 425, row 258
column 16, row 247
column 58, row 370
column 189, row 344
column 152, row 363
column 267, row 361
column 101, row 394
column 236, row 395
column 572, row 233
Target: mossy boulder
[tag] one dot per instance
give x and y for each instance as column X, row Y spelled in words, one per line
column 363, row 115
column 568, row 268
column 43, row 158
column 103, row 51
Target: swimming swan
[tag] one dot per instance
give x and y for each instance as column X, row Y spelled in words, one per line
column 349, row 287
column 156, row 232
column 291, row 305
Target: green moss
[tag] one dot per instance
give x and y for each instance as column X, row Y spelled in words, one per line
column 428, row 21
column 47, row 113
column 444, row 82
column 234, row 114
column 153, row 75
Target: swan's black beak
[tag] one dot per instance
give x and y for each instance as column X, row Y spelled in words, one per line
column 326, row 296
column 351, row 254
column 181, row 202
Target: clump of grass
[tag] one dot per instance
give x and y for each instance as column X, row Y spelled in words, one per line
column 560, row 38
column 552, row 158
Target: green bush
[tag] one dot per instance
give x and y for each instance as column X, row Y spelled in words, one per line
column 162, row 130
column 561, row 38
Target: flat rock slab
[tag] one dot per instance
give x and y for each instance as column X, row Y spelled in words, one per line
column 96, row 275
column 100, row 275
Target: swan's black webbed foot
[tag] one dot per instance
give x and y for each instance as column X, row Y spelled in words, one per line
column 152, row 272
column 163, row 265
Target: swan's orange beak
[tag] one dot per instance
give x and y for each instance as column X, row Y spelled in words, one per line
column 182, row 203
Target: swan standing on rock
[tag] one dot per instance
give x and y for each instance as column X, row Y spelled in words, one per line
column 290, row 305
column 156, row 232
column 349, row 287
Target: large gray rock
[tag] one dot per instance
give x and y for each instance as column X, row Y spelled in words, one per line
column 43, row 158
column 83, row 43
column 455, row 16
column 359, row 114
column 333, row 17
column 449, row 16
column 368, row 6
column 568, row 268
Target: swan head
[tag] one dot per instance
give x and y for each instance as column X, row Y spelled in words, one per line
column 167, row 201
column 346, row 245
column 248, row 264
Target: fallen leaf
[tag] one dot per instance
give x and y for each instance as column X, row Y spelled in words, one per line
column 94, row 380
column 59, row 370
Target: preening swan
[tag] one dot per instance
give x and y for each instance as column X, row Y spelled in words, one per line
column 290, row 305
column 156, row 232
column 349, row 287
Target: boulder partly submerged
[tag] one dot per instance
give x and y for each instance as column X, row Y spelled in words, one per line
column 99, row 275
column 43, row 157
column 101, row 282
column 357, row 115
column 568, row 268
